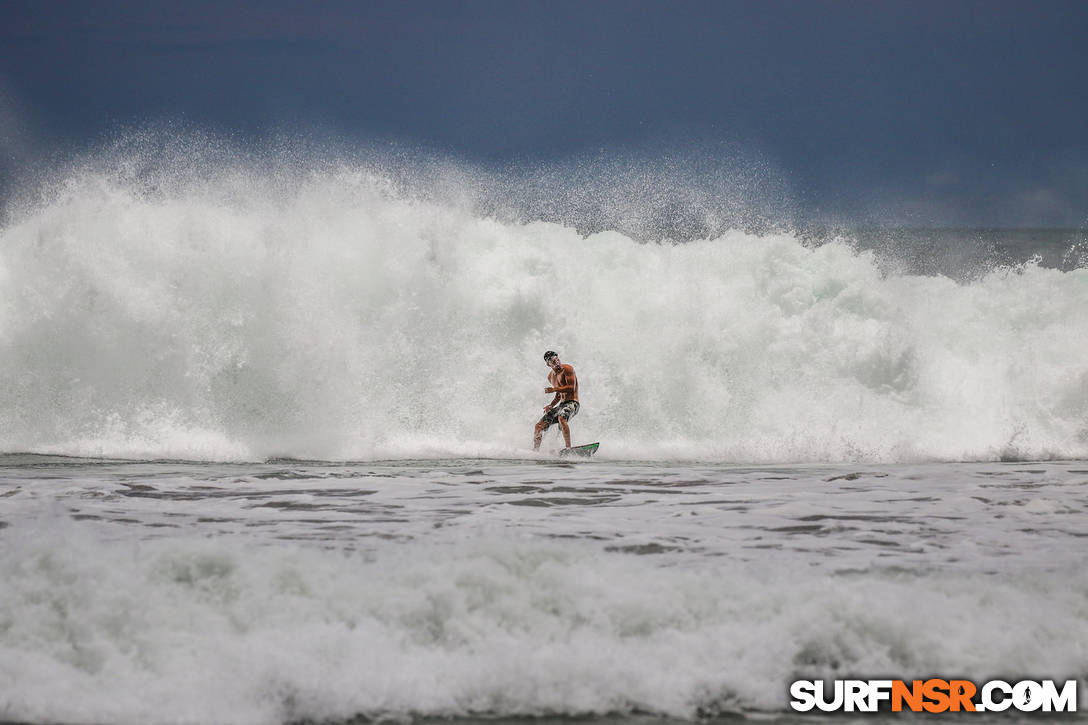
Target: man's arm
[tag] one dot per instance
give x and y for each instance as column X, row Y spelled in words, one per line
column 555, row 400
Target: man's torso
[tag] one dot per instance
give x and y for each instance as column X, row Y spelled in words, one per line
column 562, row 379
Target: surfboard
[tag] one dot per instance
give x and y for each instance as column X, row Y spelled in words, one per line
column 587, row 450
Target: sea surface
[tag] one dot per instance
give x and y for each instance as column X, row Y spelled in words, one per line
column 265, row 429
column 298, row 591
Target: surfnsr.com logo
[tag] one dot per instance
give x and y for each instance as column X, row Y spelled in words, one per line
column 933, row 695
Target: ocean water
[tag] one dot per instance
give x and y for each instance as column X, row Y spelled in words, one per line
column 137, row 592
column 265, row 450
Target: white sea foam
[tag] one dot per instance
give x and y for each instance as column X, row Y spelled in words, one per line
column 188, row 630
column 231, row 311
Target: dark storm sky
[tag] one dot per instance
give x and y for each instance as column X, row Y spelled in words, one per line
column 919, row 112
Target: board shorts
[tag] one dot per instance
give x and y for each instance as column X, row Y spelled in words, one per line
column 566, row 411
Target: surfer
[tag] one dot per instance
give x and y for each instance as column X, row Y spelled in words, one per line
column 564, row 405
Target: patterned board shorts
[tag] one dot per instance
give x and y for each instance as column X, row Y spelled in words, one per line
column 566, row 411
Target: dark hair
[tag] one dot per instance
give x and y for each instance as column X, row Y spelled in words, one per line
column 549, row 355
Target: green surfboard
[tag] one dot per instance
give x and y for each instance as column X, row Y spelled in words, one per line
column 587, row 450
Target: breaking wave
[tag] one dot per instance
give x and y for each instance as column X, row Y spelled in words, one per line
column 210, row 306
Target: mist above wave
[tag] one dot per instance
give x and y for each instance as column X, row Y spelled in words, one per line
column 198, row 302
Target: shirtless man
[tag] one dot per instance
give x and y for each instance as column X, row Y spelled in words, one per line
column 564, row 405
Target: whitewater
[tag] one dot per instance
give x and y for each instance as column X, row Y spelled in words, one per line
column 240, row 313
column 265, row 449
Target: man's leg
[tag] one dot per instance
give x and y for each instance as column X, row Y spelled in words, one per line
column 566, row 430
column 538, row 433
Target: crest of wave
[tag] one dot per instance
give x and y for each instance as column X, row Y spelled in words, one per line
column 205, row 304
